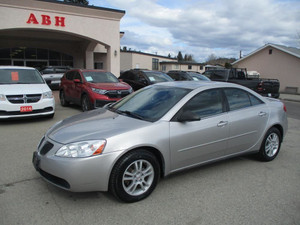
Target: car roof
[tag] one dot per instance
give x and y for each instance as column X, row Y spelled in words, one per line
column 196, row 84
column 17, row 67
column 91, row 70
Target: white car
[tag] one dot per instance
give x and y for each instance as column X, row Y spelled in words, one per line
column 24, row 93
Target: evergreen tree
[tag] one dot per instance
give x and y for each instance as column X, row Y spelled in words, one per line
column 179, row 57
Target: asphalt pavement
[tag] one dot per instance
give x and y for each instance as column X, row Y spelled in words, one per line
column 237, row 191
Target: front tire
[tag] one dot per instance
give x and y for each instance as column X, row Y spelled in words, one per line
column 271, row 145
column 85, row 103
column 134, row 176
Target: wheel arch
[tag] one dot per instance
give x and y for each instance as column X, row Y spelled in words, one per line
column 280, row 128
column 158, row 155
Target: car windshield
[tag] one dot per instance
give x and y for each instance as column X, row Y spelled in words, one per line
column 150, row 103
column 20, row 76
column 100, row 77
column 157, row 77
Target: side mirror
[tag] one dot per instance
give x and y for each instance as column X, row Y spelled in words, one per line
column 77, row 81
column 188, row 116
column 144, row 82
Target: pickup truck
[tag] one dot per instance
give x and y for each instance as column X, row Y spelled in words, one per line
column 265, row 87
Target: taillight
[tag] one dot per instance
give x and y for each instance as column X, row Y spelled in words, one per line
column 259, row 86
column 284, row 107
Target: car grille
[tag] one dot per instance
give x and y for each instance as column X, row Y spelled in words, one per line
column 54, row 179
column 117, row 93
column 46, row 148
column 23, row 99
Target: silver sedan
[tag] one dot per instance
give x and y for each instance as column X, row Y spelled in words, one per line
column 167, row 127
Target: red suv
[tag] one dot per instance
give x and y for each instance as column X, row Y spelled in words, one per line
column 91, row 88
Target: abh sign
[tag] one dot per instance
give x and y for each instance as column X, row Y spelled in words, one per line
column 46, row 20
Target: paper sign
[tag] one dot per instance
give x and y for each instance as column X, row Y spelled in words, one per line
column 14, row 76
column 88, row 79
column 152, row 79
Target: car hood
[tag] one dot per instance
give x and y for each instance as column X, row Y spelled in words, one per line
column 110, row 86
column 91, row 125
column 20, row 89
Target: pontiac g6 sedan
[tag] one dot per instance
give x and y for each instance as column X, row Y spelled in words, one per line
column 167, row 127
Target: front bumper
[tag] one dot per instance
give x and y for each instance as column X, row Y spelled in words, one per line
column 73, row 174
column 44, row 107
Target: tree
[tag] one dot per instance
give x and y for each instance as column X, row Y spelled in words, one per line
column 81, row 2
column 211, row 58
column 228, row 65
column 179, row 57
column 188, row 58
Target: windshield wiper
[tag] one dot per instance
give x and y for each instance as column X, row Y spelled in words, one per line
column 134, row 115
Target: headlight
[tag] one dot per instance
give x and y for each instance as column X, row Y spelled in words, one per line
column 99, row 91
column 2, row 97
column 48, row 94
column 82, row 149
column 130, row 90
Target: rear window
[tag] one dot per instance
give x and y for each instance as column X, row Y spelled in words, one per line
column 50, row 70
column 20, row 76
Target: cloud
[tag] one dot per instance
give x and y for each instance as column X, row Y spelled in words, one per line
column 202, row 27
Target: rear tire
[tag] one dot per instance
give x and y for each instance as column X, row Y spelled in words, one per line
column 62, row 99
column 134, row 176
column 271, row 145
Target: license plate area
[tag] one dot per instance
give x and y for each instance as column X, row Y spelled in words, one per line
column 26, row 109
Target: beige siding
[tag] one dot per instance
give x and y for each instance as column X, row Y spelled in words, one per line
column 279, row 65
column 85, row 28
column 136, row 60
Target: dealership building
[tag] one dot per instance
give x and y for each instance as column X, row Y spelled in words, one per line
column 40, row 33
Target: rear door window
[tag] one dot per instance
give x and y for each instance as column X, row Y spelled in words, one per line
column 237, row 98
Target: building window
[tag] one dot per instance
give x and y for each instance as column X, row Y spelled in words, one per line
column 201, row 67
column 176, row 67
column 270, row 51
column 154, row 64
column 163, row 67
column 98, row 65
column 190, row 67
column 34, row 57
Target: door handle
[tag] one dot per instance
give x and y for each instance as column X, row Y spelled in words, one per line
column 262, row 114
column 222, row 123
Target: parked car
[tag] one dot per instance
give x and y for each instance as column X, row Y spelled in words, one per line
column 138, row 79
column 158, row 130
column 91, row 88
column 24, row 93
column 265, row 87
column 53, row 74
column 179, row 75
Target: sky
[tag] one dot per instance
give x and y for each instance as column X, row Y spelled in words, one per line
column 205, row 27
